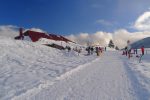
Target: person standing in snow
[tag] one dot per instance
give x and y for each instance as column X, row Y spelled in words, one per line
column 126, row 51
column 97, row 51
column 142, row 50
column 68, row 48
column 105, row 48
column 92, row 49
column 100, row 51
column 129, row 51
column 88, row 49
column 135, row 51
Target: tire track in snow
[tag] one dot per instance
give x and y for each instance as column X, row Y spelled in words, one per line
column 47, row 84
column 104, row 79
column 140, row 92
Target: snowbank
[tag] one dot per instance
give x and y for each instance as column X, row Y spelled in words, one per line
column 25, row 65
column 139, row 74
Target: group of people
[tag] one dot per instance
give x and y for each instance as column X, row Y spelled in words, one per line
column 77, row 49
column 97, row 50
column 90, row 50
column 68, row 48
column 128, row 51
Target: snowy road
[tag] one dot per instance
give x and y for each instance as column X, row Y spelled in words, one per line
column 103, row 79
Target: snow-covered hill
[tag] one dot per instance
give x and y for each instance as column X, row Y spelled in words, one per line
column 144, row 42
column 25, row 65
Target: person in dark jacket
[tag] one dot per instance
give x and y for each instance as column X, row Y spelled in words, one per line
column 135, row 51
column 97, row 51
column 88, row 49
column 92, row 49
column 105, row 48
column 126, row 51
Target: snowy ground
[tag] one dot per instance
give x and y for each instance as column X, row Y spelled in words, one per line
column 139, row 74
column 98, row 80
column 30, row 71
column 26, row 65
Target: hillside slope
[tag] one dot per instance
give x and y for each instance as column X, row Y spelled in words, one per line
column 144, row 42
column 25, row 65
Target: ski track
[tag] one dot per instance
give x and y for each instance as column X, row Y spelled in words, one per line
column 47, row 84
column 141, row 92
column 98, row 80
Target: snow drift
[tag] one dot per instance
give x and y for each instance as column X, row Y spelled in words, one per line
column 25, row 65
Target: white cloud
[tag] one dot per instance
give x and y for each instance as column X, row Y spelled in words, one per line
column 119, row 37
column 143, row 22
column 98, row 38
column 13, row 31
column 9, row 31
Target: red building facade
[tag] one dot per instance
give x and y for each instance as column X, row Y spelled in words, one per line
column 35, row 36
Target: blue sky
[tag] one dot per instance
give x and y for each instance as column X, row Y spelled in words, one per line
column 72, row 16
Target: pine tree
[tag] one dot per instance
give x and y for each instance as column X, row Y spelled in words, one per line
column 111, row 44
column 116, row 48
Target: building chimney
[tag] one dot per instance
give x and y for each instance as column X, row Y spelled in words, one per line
column 21, row 33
